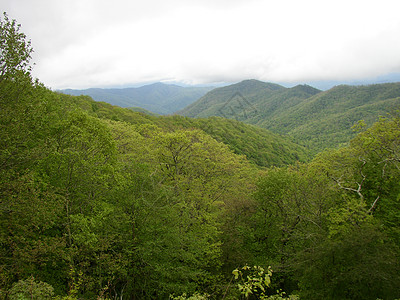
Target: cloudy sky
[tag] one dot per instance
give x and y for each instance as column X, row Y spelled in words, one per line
column 111, row 43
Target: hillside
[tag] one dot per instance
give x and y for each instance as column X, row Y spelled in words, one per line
column 158, row 98
column 313, row 118
column 326, row 119
column 249, row 101
column 214, row 103
column 260, row 146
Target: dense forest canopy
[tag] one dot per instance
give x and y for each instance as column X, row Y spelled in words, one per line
column 101, row 202
column 259, row 145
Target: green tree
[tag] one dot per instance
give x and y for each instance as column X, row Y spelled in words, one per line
column 197, row 174
column 291, row 203
column 356, row 260
column 173, row 188
column 359, row 244
column 31, row 289
column 379, row 147
column 29, row 207
column 15, row 50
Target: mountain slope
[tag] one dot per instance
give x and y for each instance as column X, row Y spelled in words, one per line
column 158, row 97
column 326, row 119
column 259, row 145
column 214, row 103
column 313, row 118
column 279, row 102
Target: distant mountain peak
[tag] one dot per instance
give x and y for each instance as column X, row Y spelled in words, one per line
column 158, row 97
column 307, row 89
column 254, row 83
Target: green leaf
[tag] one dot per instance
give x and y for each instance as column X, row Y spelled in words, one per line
column 236, row 273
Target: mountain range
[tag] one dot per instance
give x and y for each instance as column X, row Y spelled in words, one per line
column 317, row 119
column 311, row 117
column 158, row 97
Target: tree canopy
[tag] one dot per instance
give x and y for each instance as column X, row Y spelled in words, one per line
column 103, row 202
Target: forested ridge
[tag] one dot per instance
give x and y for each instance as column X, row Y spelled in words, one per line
column 313, row 118
column 259, row 145
column 100, row 202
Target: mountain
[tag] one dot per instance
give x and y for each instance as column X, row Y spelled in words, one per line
column 326, row 119
column 220, row 101
column 158, row 98
column 312, row 117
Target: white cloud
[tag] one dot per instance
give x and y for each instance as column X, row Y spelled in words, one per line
column 104, row 43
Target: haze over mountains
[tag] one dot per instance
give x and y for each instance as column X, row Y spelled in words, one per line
column 158, row 98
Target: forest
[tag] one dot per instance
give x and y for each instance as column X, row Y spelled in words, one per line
column 102, row 202
column 316, row 119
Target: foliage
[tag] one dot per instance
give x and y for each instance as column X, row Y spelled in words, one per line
column 195, row 296
column 103, row 202
column 316, row 119
column 260, row 146
column 256, row 282
column 15, row 50
column 331, row 222
column 31, row 289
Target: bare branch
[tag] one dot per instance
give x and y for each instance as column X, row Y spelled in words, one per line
column 358, row 190
column 372, row 208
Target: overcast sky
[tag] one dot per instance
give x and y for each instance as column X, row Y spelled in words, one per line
column 109, row 43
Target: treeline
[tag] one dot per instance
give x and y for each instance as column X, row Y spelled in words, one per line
column 94, row 207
